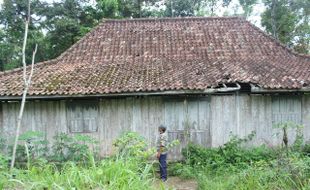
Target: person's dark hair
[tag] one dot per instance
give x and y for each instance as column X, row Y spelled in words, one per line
column 163, row 128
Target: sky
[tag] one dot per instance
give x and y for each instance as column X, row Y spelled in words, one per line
column 254, row 18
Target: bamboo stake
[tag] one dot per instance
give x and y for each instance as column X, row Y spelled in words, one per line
column 27, row 82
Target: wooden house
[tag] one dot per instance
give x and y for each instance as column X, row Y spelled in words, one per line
column 207, row 77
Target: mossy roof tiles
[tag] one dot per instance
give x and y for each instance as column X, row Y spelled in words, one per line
column 144, row 55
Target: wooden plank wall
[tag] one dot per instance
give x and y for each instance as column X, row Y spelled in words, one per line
column 211, row 119
column 239, row 115
column 1, row 121
column 242, row 114
column 46, row 116
column 144, row 115
column 306, row 116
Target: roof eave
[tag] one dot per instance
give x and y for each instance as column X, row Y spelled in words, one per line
column 154, row 93
column 264, row 90
column 254, row 90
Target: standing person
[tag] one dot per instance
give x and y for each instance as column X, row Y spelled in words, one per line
column 162, row 142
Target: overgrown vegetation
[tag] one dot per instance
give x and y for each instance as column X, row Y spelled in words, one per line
column 236, row 166
column 72, row 163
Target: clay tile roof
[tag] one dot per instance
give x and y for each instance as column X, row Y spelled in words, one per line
column 142, row 55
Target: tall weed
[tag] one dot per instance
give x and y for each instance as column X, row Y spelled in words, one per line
column 129, row 171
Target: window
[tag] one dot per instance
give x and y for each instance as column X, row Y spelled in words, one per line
column 82, row 116
column 286, row 109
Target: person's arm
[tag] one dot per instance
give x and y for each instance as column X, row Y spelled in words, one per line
column 159, row 145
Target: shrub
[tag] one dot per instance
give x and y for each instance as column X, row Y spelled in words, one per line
column 3, row 162
column 132, row 144
column 306, row 149
column 73, row 148
column 292, row 173
column 2, row 144
column 231, row 153
column 234, row 166
column 182, row 170
column 35, row 142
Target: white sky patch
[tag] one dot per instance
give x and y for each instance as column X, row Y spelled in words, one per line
column 255, row 17
column 235, row 8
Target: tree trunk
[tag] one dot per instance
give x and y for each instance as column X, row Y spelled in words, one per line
column 27, row 82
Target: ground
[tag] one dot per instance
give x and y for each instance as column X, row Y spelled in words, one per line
column 177, row 183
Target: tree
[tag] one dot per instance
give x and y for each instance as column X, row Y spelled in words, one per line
column 66, row 22
column 108, row 8
column 125, row 8
column 175, row 8
column 26, row 80
column 54, row 27
column 183, row 7
column 247, row 6
column 5, row 50
column 288, row 21
column 12, row 15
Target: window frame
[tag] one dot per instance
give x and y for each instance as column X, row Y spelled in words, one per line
column 81, row 111
column 292, row 111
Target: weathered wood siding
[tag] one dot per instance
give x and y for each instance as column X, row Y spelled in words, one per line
column 209, row 121
column 1, row 119
column 242, row 114
column 305, row 107
column 46, row 116
column 144, row 115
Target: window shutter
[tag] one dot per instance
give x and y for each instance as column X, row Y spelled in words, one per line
column 286, row 109
column 82, row 116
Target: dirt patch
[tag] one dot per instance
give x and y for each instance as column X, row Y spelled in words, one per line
column 176, row 183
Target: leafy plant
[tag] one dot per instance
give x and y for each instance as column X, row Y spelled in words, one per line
column 132, row 144
column 2, row 144
column 73, row 148
column 306, row 149
column 231, row 153
column 128, row 171
column 35, row 142
column 182, row 170
column 3, row 162
column 299, row 139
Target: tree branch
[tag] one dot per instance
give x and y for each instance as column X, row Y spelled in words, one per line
column 23, row 52
column 32, row 64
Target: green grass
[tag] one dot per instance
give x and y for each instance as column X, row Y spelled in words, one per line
column 294, row 175
column 230, row 167
column 254, row 169
column 107, row 174
column 77, row 167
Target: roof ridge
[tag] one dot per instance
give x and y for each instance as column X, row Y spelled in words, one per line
column 278, row 42
column 171, row 18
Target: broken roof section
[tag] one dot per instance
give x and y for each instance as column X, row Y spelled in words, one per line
column 169, row 54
